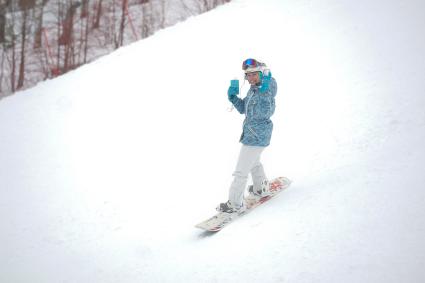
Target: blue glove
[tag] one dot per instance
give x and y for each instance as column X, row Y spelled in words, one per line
column 232, row 92
column 233, row 89
column 265, row 84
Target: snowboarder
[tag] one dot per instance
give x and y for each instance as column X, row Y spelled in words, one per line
column 258, row 106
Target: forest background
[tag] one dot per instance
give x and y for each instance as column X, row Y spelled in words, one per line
column 42, row 39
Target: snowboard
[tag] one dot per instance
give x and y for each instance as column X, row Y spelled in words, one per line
column 222, row 219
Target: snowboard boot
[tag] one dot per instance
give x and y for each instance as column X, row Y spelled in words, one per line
column 227, row 207
column 262, row 192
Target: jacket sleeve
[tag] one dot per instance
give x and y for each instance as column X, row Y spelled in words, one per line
column 266, row 102
column 273, row 88
column 238, row 103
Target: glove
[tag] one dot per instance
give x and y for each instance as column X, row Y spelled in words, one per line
column 265, row 84
column 233, row 89
column 232, row 92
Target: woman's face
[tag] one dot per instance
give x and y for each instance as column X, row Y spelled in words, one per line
column 253, row 78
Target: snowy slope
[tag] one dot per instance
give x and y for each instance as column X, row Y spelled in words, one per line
column 104, row 171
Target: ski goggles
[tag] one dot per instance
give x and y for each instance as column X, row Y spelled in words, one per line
column 249, row 63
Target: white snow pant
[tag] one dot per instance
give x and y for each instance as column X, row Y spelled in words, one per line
column 248, row 162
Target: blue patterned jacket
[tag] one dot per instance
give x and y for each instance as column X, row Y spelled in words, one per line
column 258, row 108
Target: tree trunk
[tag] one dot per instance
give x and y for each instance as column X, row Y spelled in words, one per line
column 86, row 37
column 21, row 76
column 38, row 37
column 13, row 65
column 3, row 55
column 96, row 22
column 2, row 22
column 85, row 8
column 122, row 23
column 163, row 16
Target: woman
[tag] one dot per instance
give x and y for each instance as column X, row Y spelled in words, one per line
column 258, row 106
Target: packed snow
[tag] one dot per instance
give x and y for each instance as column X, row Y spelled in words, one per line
column 105, row 171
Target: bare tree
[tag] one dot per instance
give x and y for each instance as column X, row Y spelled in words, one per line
column 147, row 19
column 2, row 61
column 84, row 8
column 39, row 15
column 25, row 6
column 96, row 22
column 13, row 60
column 124, row 7
column 85, row 13
column 66, row 38
column 163, row 14
column 3, row 8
